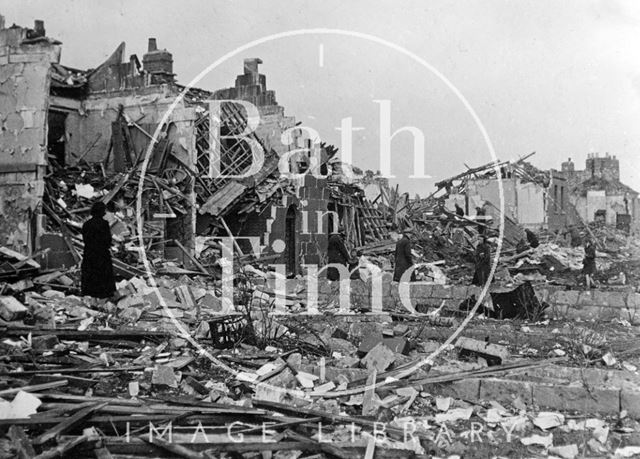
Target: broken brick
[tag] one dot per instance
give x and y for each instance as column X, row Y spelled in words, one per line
column 11, row 309
column 490, row 352
column 379, row 358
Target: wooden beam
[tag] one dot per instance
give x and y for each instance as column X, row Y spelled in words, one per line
column 64, row 104
column 34, row 388
column 67, row 424
column 192, row 258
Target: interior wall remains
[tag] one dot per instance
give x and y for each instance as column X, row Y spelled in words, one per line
column 530, row 199
column 89, row 133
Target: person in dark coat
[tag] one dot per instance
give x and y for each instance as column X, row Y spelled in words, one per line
column 532, row 239
column 354, row 263
column 483, row 262
column 97, row 269
column 403, row 258
column 574, row 234
column 336, row 253
column 481, row 213
column 589, row 262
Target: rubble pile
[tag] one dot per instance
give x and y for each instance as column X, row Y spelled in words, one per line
column 71, row 191
column 271, row 359
column 81, row 377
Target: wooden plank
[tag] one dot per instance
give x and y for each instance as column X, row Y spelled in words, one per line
column 144, row 448
column 7, row 252
column 63, row 449
column 110, row 419
column 175, row 448
column 69, row 423
column 223, row 198
column 64, row 103
column 325, row 446
column 34, row 387
column 395, row 432
column 192, row 258
column 84, row 335
column 83, row 398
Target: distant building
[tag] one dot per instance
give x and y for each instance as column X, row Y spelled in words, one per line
column 533, row 198
column 598, row 194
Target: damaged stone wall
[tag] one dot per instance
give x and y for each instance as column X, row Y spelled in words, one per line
column 89, row 133
column 145, row 107
column 251, row 86
column 311, row 224
column 273, row 123
column 480, row 190
column 560, row 211
column 609, row 197
column 25, row 63
column 523, row 202
column 596, row 200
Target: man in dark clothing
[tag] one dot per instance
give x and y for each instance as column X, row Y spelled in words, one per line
column 440, row 208
column 589, row 262
column 353, row 265
column 483, row 262
column 480, row 214
column 336, row 253
column 459, row 210
column 532, row 239
column 574, row 234
column 97, row 270
column 403, row 258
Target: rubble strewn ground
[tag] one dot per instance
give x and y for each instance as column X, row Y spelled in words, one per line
column 225, row 337
column 144, row 376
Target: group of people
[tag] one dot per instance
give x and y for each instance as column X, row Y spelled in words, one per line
column 98, row 280
column 337, row 254
column 403, row 258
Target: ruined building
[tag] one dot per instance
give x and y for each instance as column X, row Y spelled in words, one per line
column 551, row 199
column 26, row 59
column 598, row 194
column 85, row 135
column 533, row 198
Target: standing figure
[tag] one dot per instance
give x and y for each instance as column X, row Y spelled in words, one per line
column 483, row 262
column 336, row 253
column 480, row 214
column 589, row 262
column 403, row 257
column 97, row 270
column 532, row 239
column 574, row 234
column 354, row 263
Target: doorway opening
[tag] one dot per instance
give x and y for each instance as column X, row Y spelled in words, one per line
column 290, row 241
column 56, row 137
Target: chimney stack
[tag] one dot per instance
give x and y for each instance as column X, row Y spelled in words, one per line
column 38, row 27
column 158, row 62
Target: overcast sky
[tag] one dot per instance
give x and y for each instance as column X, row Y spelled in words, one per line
column 558, row 78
